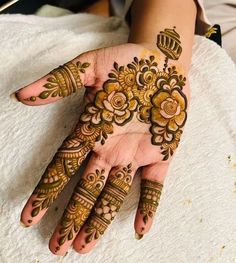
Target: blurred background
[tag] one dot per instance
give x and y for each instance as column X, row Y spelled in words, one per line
column 220, row 12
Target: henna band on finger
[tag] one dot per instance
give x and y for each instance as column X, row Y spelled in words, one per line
column 64, row 165
column 80, row 205
column 149, row 198
column 109, row 203
column 63, row 81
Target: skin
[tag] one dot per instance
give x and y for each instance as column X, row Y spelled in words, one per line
column 127, row 146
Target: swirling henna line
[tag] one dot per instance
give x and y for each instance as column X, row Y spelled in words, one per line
column 80, row 205
column 109, row 203
column 64, row 165
column 141, row 87
column 63, row 81
column 156, row 96
column 149, row 198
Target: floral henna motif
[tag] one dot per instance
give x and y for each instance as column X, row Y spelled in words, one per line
column 109, row 203
column 64, row 165
column 149, row 198
column 141, row 89
column 155, row 95
column 63, row 81
column 80, row 205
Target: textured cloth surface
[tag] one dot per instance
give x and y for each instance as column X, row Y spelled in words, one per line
column 196, row 217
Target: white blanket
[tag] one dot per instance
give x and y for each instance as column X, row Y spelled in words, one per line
column 196, row 218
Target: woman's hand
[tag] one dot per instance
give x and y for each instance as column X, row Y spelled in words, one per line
column 134, row 117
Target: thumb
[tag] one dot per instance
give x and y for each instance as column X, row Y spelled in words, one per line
column 60, row 82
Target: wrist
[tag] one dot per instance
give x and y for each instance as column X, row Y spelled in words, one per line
column 148, row 20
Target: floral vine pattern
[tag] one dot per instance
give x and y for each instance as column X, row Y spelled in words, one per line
column 80, row 205
column 108, row 203
column 140, row 89
column 149, row 198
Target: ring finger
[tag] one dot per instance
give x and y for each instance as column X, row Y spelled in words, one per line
column 106, row 208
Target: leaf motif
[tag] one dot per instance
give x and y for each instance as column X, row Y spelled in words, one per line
column 116, row 66
column 85, row 65
column 131, row 66
column 121, row 68
column 104, row 134
column 52, row 79
column 165, row 157
column 111, row 75
column 44, row 94
column 62, row 240
column 70, row 236
column 49, row 86
column 35, row 211
column 89, row 238
column 55, row 93
column 96, row 236
column 136, row 60
column 145, row 219
column 152, row 58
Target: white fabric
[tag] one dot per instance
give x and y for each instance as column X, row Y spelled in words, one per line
column 196, row 218
column 202, row 22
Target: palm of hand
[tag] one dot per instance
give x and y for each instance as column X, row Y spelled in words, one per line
column 132, row 119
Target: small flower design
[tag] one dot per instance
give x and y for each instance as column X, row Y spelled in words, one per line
column 126, row 78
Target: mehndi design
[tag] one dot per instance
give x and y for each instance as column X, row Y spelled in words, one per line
column 149, row 198
column 109, row 203
column 138, row 90
column 63, row 81
column 80, row 205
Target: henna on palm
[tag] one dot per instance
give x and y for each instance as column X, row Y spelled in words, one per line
column 109, row 203
column 140, row 89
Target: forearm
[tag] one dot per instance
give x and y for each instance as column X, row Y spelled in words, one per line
column 150, row 17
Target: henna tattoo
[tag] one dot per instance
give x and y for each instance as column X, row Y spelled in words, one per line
column 63, row 81
column 140, row 89
column 64, row 165
column 80, row 205
column 155, row 95
column 109, row 203
column 149, row 198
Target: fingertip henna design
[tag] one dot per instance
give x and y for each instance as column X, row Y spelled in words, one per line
column 64, row 165
column 108, row 203
column 80, row 205
column 63, row 81
column 149, row 198
column 140, row 89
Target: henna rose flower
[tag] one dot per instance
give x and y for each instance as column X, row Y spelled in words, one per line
column 169, row 109
column 114, row 103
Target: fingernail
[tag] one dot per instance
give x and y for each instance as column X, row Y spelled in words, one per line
column 22, row 224
column 14, row 97
column 138, row 236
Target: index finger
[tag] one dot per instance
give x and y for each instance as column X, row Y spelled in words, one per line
column 64, row 165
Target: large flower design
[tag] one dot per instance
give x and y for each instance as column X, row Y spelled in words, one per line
column 169, row 109
column 114, row 104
